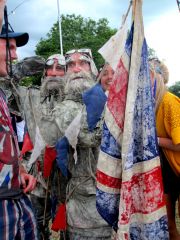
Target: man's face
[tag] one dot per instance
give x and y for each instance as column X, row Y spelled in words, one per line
column 79, row 77
column 107, row 76
column 12, row 48
column 55, row 70
column 77, row 64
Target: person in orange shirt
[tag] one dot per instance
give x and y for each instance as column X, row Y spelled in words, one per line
column 167, row 111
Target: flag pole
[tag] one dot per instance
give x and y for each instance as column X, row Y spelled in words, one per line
column 60, row 30
column 178, row 3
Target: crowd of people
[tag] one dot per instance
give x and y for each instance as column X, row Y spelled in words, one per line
column 64, row 119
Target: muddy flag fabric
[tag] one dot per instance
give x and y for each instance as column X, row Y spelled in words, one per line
column 129, row 184
column 94, row 99
column 116, row 44
column 109, row 168
column 38, row 147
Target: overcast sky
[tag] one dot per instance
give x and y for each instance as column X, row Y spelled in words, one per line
column 161, row 22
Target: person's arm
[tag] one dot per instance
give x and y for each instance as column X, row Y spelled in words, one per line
column 168, row 143
column 29, row 66
column 2, row 5
column 28, row 181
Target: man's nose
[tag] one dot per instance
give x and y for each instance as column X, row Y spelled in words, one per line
column 77, row 68
column 53, row 71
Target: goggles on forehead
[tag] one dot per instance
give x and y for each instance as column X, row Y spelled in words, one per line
column 60, row 61
column 85, row 52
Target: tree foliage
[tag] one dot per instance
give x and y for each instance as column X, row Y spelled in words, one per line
column 151, row 53
column 77, row 32
column 175, row 89
column 31, row 80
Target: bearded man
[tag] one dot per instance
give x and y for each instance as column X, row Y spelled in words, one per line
column 37, row 107
column 83, row 220
column 52, row 83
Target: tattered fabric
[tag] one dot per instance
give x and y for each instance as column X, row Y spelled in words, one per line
column 129, row 182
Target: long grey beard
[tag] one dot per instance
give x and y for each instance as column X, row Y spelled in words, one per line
column 83, row 82
column 52, row 86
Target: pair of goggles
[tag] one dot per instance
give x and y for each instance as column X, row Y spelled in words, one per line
column 85, row 52
column 51, row 60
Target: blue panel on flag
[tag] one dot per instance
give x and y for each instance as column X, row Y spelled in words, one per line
column 108, row 206
column 144, row 140
column 154, row 230
column 128, row 45
column 109, row 144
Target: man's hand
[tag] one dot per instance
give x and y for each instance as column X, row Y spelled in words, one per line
column 168, row 144
column 28, row 182
column 2, row 5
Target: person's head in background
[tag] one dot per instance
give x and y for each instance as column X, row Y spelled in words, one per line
column 8, row 54
column 55, row 66
column 105, row 76
column 52, row 82
column 159, row 75
column 81, row 70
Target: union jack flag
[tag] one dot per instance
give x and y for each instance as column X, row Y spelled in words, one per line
column 8, row 148
column 129, row 185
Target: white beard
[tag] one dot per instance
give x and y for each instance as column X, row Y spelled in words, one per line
column 77, row 83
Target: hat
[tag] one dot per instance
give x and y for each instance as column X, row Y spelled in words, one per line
column 21, row 38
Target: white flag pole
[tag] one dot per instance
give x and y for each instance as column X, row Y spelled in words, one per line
column 60, row 30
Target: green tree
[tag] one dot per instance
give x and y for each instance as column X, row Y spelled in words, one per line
column 151, row 53
column 77, row 32
column 31, row 80
column 175, row 89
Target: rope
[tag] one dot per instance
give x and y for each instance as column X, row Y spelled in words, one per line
column 46, row 199
column 90, row 166
column 8, row 51
column 12, row 11
column 71, row 192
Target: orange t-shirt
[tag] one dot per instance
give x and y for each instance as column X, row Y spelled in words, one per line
column 168, row 126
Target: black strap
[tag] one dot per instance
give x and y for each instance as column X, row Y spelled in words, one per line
column 8, row 52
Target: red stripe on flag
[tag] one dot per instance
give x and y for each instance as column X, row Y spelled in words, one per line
column 117, row 94
column 27, row 144
column 49, row 157
column 108, row 180
column 142, row 194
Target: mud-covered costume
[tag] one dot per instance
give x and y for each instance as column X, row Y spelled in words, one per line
column 84, row 222
column 37, row 104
